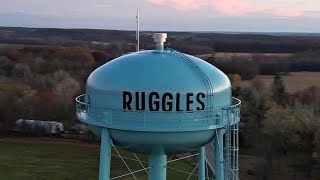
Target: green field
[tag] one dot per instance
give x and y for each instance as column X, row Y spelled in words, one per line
column 52, row 159
column 49, row 159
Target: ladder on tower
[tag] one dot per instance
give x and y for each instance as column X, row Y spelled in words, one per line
column 231, row 118
column 231, row 163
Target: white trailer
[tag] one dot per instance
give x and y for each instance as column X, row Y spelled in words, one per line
column 39, row 127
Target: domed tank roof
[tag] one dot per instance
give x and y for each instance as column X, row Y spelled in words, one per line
column 154, row 71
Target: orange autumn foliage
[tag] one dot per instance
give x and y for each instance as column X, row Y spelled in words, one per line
column 45, row 94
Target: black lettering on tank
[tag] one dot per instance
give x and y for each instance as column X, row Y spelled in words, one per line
column 155, row 102
column 164, row 101
column 126, row 100
column 143, row 101
column 178, row 102
column 167, row 106
column 200, row 96
column 189, row 101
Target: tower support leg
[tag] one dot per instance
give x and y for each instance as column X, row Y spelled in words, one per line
column 105, row 154
column 202, row 164
column 158, row 166
column 218, row 152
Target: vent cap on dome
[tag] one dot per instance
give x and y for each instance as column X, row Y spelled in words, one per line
column 159, row 39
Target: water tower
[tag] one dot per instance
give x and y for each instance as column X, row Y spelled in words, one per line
column 162, row 102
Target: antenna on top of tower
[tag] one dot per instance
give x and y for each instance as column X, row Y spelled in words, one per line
column 137, row 32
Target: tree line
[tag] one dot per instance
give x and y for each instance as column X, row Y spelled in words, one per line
column 248, row 68
column 188, row 42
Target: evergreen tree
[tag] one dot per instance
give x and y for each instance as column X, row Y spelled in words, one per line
column 278, row 90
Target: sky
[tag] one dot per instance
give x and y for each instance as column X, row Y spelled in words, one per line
column 166, row 15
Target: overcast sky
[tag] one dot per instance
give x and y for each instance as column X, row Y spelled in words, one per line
column 166, row 15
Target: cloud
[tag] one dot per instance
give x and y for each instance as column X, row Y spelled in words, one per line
column 158, row 2
column 184, row 5
column 230, row 7
column 187, row 4
column 236, row 7
column 288, row 12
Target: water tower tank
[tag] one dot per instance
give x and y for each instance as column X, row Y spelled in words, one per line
column 157, row 102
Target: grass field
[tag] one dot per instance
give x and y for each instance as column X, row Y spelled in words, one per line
column 52, row 159
column 295, row 81
column 47, row 159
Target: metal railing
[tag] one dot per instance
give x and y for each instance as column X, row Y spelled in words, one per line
column 153, row 120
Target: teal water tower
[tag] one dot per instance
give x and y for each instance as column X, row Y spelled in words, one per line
column 162, row 102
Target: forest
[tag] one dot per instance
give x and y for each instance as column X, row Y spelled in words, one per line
column 43, row 70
